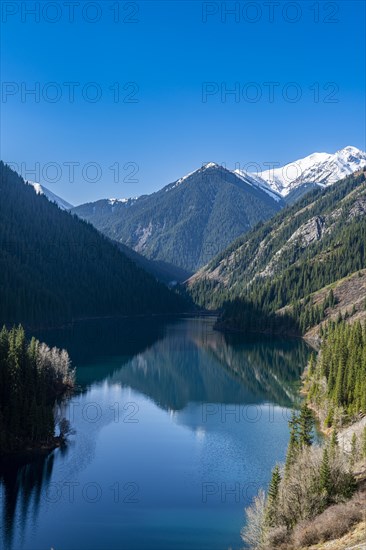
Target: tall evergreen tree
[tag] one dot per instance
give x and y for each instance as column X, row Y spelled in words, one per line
column 293, row 446
column 272, row 498
column 333, row 446
column 306, row 425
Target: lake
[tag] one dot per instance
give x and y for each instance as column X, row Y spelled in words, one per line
column 176, row 426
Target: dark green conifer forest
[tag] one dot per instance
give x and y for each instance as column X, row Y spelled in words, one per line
column 31, row 377
column 337, row 381
column 250, row 302
column 55, row 267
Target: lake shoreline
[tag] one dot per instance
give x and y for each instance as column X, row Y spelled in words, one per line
column 177, row 386
column 68, row 324
column 30, row 453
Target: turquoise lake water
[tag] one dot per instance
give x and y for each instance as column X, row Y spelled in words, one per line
column 176, row 427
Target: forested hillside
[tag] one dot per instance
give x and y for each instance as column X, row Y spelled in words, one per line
column 55, row 267
column 327, row 500
column 31, row 377
column 304, row 248
column 336, row 381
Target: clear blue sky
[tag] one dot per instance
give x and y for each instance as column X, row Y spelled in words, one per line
column 170, row 51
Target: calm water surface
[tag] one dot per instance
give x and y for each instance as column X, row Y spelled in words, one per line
column 176, row 427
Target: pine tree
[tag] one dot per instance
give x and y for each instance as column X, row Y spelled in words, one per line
column 339, row 388
column 306, row 425
column 272, row 498
column 333, row 446
column 311, row 366
column 293, row 446
column 328, row 422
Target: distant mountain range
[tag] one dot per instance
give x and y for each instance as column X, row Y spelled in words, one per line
column 190, row 220
column 184, row 225
column 322, row 169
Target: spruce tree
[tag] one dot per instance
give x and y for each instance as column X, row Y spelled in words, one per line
column 293, row 446
column 306, row 425
column 333, row 446
column 272, row 498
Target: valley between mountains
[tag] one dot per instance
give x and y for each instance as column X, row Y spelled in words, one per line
column 228, row 241
column 281, row 253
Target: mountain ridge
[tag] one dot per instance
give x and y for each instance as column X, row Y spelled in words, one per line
column 189, row 220
column 52, row 197
column 55, row 268
column 275, row 181
column 323, row 169
column 304, row 248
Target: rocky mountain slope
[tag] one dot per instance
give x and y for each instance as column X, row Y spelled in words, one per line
column 316, row 242
column 349, row 302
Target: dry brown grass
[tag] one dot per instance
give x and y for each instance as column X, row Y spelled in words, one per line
column 332, row 524
column 354, row 540
column 340, row 527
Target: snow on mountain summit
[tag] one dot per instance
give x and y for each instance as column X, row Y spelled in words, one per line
column 203, row 168
column 41, row 190
column 257, row 181
column 323, row 169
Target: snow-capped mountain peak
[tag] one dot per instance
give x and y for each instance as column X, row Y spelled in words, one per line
column 210, row 165
column 350, row 149
column 323, row 169
column 202, row 168
column 351, row 154
column 41, row 190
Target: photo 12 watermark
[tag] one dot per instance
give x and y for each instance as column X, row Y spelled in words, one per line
column 69, row 92
column 239, row 413
column 269, row 92
column 92, row 492
column 70, row 11
column 249, row 12
column 72, row 171
column 214, row 492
